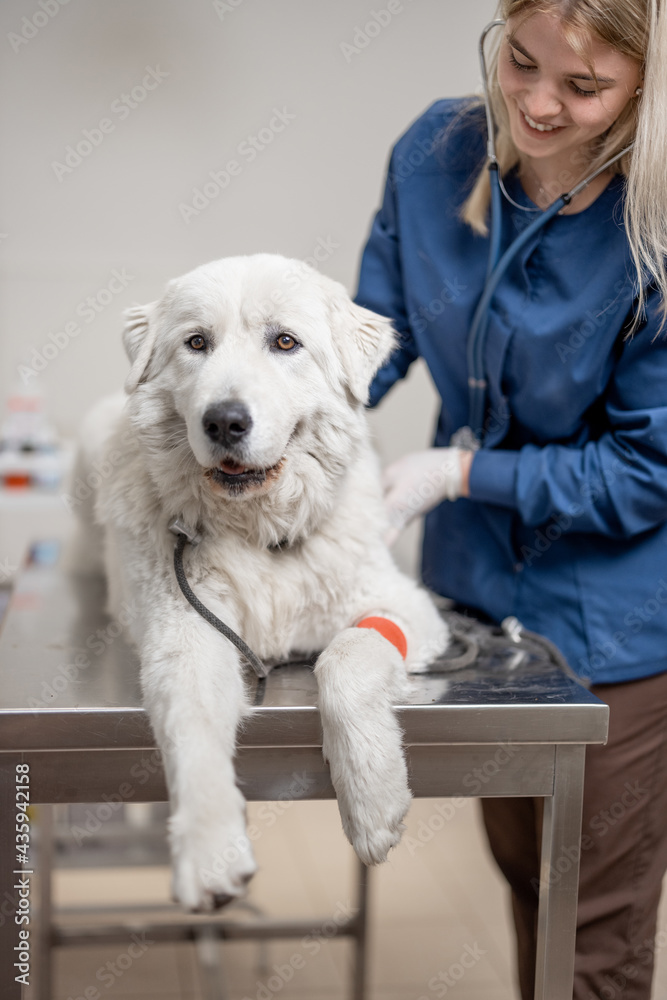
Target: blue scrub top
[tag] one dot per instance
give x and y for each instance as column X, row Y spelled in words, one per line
column 566, row 525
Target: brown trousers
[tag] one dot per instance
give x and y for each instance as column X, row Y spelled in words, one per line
column 623, row 851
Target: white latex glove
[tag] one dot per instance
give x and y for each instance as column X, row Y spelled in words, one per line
column 417, row 482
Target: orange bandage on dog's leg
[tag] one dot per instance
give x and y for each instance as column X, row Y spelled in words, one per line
column 389, row 629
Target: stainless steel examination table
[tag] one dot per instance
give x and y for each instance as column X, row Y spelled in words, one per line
column 512, row 722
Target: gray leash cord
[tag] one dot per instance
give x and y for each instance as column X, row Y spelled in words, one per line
column 260, row 669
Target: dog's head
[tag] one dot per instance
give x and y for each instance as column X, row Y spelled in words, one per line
column 260, row 357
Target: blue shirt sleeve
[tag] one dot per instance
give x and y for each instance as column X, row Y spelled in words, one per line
column 615, row 485
column 381, row 289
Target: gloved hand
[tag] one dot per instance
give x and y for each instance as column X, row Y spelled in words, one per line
column 419, row 481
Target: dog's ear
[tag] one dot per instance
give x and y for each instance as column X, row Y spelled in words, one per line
column 139, row 337
column 363, row 339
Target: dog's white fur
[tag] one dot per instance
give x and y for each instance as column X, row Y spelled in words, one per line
column 291, row 562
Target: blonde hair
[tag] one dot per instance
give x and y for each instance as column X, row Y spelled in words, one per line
column 638, row 29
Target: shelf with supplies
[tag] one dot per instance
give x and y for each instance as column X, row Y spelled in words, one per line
column 35, row 468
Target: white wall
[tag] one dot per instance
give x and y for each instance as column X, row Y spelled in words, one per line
column 226, row 66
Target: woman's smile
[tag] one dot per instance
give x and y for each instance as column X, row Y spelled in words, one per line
column 541, row 127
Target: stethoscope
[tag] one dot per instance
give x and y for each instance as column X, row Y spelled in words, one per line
column 472, row 435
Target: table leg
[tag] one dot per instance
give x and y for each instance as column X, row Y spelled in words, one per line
column 360, row 970
column 9, row 931
column 559, row 876
column 43, row 955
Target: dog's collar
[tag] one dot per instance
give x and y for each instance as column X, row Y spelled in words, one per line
column 179, row 527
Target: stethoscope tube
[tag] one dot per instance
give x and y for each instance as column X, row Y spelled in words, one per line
column 477, row 335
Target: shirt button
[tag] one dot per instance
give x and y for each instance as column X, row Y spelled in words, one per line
column 518, row 567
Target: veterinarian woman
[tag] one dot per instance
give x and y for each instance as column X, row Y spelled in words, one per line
column 560, row 517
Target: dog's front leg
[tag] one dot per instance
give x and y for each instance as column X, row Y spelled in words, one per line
column 360, row 677
column 194, row 693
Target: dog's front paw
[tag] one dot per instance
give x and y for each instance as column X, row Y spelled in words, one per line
column 360, row 675
column 213, row 861
column 373, row 795
column 373, row 833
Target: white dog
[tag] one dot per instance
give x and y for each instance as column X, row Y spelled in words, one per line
column 245, row 419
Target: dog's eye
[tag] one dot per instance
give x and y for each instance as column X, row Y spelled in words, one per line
column 197, row 342
column 285, row 343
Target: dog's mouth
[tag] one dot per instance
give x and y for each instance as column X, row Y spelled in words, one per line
column 236, row 478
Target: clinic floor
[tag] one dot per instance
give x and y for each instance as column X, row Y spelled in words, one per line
column 431, row 904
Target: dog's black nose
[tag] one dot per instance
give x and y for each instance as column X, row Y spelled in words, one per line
column 226, row 423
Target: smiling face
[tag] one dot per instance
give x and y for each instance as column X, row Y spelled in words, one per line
column 555, row 108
